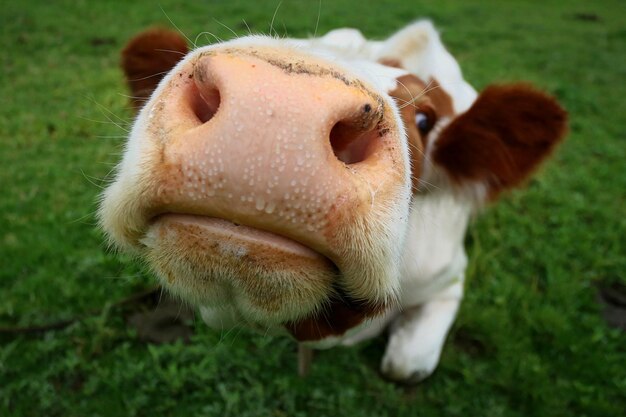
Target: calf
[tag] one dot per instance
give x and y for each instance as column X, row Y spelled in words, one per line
column 320, row 187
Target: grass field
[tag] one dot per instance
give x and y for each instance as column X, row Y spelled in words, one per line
column 530, row 339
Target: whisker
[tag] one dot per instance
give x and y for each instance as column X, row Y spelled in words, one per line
column 205, row 33
column 110, row 137
column 319, row 13
column 106, row 179
column 91, row 180
column 171, row 51
column 227, row 27
column 104, row 122
column 103, row 108
column 161, row 294
column 246, row 23
column 142, row 98
column 428, row 89
column 413, row 98
column 274, row 17
column 104, row 112
column 157, row 74
column 84, row 217
column 239, row 330
column 409, row 92
column 177, row 28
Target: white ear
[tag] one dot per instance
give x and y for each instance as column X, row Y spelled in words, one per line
column 351, row 39
column 419, row 49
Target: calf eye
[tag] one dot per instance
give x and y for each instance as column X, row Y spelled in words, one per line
column 424, row 121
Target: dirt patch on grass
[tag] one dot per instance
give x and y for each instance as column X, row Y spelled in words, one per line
column 612, row 297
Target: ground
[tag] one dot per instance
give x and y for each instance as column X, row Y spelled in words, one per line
column 531, row 338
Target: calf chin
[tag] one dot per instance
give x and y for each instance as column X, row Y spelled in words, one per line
column 272, row 280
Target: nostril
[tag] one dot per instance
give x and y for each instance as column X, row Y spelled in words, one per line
column 353, row 144
column 204, row 102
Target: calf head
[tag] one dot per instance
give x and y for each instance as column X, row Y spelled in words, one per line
column 269, row 181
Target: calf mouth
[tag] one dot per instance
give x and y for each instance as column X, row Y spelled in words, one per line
column 245, row 243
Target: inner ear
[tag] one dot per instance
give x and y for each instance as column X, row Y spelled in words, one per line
column 390, row 62
column 502, row 138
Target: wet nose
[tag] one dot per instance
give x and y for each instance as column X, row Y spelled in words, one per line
column 264, row 139
column 264, row 102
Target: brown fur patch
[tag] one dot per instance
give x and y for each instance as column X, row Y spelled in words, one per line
column 502, row 138
column 413, row 96
column 441, row 100
column 391, row 62
column 341, row 315
column 146, row 59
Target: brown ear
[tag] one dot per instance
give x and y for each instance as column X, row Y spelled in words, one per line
column 147, row 58
column 502, row 138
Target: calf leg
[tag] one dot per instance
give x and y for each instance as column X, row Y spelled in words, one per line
column 417, row 336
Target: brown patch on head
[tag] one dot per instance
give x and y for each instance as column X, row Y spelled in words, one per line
column 391, row 62
column 441, row 100
column 502, row 138
column 341, row 315
column 146, row 59
column 431, row 102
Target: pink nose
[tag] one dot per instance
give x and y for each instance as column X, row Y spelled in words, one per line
column 264, row 139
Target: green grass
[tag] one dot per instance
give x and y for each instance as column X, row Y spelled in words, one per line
column 530, row 338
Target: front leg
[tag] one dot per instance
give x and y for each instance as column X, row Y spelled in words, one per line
column 417, row 336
